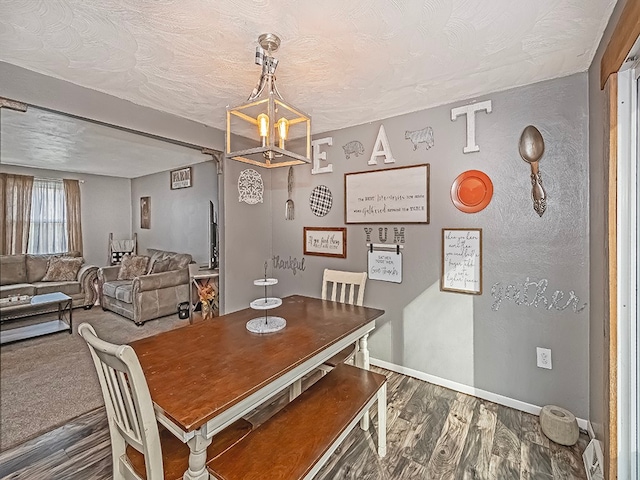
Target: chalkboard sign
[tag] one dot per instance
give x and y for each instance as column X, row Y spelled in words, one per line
column 462, row 260
column 385, row 265
column 393, row 195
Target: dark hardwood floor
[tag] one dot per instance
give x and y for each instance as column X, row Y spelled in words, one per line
column 433, row 433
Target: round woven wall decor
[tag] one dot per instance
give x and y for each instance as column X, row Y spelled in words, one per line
column 321, row 200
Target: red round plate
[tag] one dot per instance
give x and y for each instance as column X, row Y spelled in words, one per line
column 471, row 191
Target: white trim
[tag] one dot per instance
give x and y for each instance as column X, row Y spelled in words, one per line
column 627, row 261
column 476, row 392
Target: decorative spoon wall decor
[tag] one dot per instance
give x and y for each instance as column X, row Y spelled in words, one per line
column 289, row 207
column 531, row 149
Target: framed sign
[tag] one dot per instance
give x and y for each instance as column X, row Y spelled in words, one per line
column 462, row 260
column 393, row 195
column 325, row 241
column 180, row 178
column 145, row 212
column 384, row 265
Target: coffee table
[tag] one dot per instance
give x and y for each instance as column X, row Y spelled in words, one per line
column 65, row 309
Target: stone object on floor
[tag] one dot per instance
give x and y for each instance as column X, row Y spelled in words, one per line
column 559, row 425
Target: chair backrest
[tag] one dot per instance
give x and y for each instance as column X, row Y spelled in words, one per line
column 346, row 283
column 132, row 419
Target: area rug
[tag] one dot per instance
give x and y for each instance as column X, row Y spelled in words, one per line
column 47, row 381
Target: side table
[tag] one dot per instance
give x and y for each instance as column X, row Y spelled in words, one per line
column 198, row 278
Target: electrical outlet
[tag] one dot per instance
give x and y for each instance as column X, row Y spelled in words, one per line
column 544, row 357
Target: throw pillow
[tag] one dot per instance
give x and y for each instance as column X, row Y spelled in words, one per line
column 179, row 261
column 159, row 265
column 133, row 266
column 63, row 269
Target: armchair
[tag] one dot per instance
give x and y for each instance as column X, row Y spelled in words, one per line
column 148, row 296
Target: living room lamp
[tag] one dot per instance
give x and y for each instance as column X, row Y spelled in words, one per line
column 266, row 131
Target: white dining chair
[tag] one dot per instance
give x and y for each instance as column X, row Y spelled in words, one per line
column 344, row 283
column 343, row 287
column 140, row 449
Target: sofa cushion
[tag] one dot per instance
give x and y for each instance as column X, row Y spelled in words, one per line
column 153, row 253
column 13, row 269
column 17, row 289
column 119, row 289
column 63, row 269
column 68, row 288
column 37, row 267
column 159, row 265
column 133, row 266
column 37, row 264
column 179, row 261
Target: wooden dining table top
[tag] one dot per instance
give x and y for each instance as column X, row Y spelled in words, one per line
column 198, row 371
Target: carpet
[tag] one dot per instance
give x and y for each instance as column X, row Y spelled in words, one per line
column 47, row 381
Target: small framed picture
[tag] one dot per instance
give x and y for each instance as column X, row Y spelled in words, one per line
column 462, row 260
column 180, row 178
column 325, row 241
column 145, row 212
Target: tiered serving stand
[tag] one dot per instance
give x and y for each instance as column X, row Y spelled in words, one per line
column 268, row 323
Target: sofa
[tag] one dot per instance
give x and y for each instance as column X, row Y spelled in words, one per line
column 27, row 275
column 149, row 295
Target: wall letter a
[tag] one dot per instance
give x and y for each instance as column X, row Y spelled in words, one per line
column 381, row 149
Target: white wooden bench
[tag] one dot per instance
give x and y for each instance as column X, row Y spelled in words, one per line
column 298, row 440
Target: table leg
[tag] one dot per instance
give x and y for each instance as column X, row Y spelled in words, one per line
column 198, row 458
column 71, row 316
column 382, row 421
column 295, row 389
column 192, row 305
column 362, row 361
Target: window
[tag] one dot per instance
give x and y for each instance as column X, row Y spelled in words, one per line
column 48, row 228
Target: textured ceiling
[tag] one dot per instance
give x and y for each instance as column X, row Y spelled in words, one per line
column 41, row 139
column 343, row 62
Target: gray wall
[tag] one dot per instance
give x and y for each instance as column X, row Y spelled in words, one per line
column 179, row 218
column 246, row 239
column 598, row 274
column 458, row 337
column 106, row 208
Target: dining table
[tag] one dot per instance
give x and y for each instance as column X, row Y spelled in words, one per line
column 204, row 376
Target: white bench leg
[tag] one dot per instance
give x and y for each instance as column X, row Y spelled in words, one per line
column 295, row 389
column 362, row 361
column 382, row 421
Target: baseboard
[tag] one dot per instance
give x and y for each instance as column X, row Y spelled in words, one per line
column 466, row 389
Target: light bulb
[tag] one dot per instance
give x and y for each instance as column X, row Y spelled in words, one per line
column 283, row 130
column 263, row 127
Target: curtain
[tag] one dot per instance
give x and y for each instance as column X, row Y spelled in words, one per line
column 15, row 199
column 48, row 232
column 74, row 223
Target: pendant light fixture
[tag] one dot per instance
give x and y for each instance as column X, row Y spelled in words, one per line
column 267, row 131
